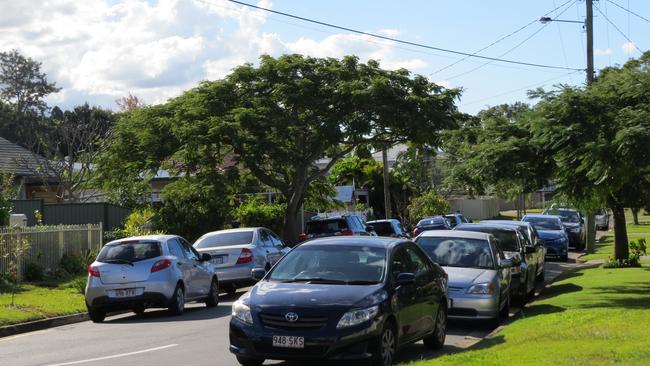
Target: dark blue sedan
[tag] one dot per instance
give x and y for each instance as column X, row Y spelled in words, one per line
column 342, row 299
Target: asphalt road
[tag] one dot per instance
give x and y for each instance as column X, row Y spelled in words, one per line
column 199, row 337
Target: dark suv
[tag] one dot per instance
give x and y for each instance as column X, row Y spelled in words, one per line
column 390, row 227
column 344, row 225
column 574, row 225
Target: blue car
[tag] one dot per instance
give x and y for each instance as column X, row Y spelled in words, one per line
column 345, row 298
column 553, row 233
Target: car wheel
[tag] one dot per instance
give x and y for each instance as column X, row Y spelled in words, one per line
column 213, row 296
column 249, row 361
column 564, row 258
column 177, row 303
column 139, row 309
column 387, row 347
column 96, row 315
column 437, row 339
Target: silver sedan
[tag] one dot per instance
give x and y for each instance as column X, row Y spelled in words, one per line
column 236, row 252
column 479, row 273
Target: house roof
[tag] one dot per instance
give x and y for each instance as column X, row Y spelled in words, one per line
column 16, row 160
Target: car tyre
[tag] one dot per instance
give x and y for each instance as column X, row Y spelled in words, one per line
column 386, row 348
column 96, row 315
column 138, row 310
column 437, row 339
column 564, row 258
column 213, row 295
column 249, row 361
column 177, row 302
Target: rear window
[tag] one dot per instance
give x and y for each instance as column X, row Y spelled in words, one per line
column 129, row 251
column 506, row 239
column 326, row 226
column 382, row 228
column 224, row 239
column 433, row 221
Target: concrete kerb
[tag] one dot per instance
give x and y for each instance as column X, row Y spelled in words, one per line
column 10, row 330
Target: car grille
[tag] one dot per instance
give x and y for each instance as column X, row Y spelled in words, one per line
column 462, row 312
column 279, row 322
column 454, row 289
column 308, row 351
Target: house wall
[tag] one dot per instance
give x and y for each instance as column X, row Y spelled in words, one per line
column 476, row 209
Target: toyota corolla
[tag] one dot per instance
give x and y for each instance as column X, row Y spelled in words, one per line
column 342, row 299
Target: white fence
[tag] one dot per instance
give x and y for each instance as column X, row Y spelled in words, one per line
column 477, row 209
column 47, row 244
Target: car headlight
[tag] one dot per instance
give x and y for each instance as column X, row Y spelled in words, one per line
column 481, row 289
column 242, row 312
column 355, row 317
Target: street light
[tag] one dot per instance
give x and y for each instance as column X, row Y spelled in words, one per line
column 545, row 20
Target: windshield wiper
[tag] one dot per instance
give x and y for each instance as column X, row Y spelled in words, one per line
column 361, row 282
column 118, row 261
column 316, row 280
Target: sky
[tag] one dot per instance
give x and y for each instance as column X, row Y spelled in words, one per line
column 97, row 51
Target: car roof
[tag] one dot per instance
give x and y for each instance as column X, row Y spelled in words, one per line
column 506, row 222
column 562, row 209
column 237, row 230
column 486, row 226
column 455, row 234
column 382, row 220
column 366, row 241
column 155, row 237
column 542, row 216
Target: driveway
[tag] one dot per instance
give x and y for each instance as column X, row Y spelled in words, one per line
column 199, row 337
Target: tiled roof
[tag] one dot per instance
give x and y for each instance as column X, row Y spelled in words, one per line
column 15, row 159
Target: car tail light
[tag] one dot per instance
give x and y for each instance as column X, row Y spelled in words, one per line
column 93, row 271
column 160, row 265
column 393, row 235
column 346, row 232
column 246, row 256
column 416, row 232
column 302, row 237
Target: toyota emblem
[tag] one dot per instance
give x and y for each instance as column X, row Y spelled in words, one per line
column 291, row 317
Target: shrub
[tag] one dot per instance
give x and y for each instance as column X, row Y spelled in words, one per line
column 428, row 204
column 78, row 284
column 637, row 249
column 255, row 212
column 140, row 222
column 34, row 272
column 72, row 264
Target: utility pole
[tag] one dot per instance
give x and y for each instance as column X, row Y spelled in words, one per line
column 384, row 157
column 589, row 25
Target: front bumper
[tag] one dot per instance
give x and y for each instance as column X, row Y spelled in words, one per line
column 557, row 251
column 464, row 306
column 256, row 341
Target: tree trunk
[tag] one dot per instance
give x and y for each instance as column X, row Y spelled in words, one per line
column 621, row 251
column 635, row 215
column 291, row 221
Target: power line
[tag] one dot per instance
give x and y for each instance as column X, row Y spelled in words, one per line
column 619, row 31
column 374, row 35
column 499, row 40
column 559, row 30
column 515, row 47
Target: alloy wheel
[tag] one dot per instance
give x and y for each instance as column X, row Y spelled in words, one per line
column 387, row 346
column 441, row 326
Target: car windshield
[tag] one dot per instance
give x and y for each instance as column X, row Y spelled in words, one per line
column 458, row 252
column 452, row 220
column 433, row 221
column 326, row 226
column 332, row 264
column 506, row 239
column 382, row 228
column 569, row 216
column 543, row 223
column 224, row 239
column 129, row 251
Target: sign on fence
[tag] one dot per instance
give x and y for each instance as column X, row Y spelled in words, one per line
column 47, row 244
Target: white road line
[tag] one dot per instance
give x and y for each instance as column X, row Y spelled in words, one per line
column 24, row 335
column 114, row 356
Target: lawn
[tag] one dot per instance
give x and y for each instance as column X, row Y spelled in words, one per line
column 593, row 316
column 41, row 301
column 605, row 247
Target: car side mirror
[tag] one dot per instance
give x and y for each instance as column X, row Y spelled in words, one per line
column 404, row 279
column 529, row 249
column 258, row 273
column 205, row 257
column 505, row 263
column 582, row 221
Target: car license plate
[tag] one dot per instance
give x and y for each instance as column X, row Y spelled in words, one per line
column 125, row 292
column 288, row 341
column 217, row 260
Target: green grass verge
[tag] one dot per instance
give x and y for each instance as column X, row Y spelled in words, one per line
column 594, row 316
column 34, row 302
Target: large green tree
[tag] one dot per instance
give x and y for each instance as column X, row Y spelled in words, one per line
column 598, row 137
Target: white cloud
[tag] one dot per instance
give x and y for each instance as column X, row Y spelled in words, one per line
column 444, row 84
column 100, row 50
column 628, row 47
column 602, row 52
column 389, row 32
